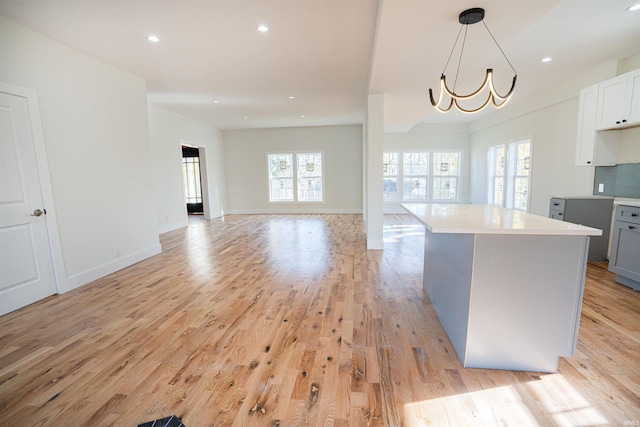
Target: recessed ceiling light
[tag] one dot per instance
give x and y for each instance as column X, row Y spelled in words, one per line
column 215, row 102
column 292, row 97
column 153, row 38
column 634, row 7
column 263, row 28
column 546, row 59
column 303, row 116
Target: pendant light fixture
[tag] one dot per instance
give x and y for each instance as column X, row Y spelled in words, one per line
column 466, row 18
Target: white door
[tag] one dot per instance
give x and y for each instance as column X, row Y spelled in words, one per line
column 26, row 267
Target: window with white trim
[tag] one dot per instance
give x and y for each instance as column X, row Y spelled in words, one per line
column 445, row 175
column 420, row 181
column 309, row 177
column 390, row 173
column 280, row 177
column 497, row 163
column 509, row 179
column 295, row 177
column 415, row 176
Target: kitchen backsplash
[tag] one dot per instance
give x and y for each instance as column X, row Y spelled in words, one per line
column 622, row 180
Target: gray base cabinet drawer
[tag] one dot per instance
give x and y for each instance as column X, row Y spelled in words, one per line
column 557, row 204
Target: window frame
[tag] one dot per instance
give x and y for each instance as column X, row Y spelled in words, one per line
column 430, row 189
column 298, row 178
column 295, row 178
column 510, row 173
column 389, row 175
column 433, row 175
column 491, row 178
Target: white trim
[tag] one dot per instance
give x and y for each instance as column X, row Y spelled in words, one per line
column 55, row 247
column 170, row 227
column 375, row 244
column 88, row 276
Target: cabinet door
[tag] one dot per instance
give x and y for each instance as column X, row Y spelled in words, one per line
column 611, row 99
column 625, row 250
column 632, row 102
column 586, row 138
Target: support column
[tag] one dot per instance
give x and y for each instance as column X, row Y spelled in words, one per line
column 373, row 150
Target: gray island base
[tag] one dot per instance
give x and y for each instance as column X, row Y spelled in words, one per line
column 507, row 286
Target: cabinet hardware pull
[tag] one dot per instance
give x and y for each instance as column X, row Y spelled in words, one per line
column 624, row 121
column 634, row 214
column 618, row 122
column 631, row 227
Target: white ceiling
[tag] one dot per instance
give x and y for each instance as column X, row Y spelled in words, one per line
column 212, row 64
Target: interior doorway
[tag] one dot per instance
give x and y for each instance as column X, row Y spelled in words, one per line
column 192, row 178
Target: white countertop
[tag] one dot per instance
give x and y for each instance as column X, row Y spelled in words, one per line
column 583, row 197
column 626, row 202
column 489, row 219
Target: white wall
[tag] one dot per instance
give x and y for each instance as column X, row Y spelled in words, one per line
column 168, row 132
column 553, row 135
column 96, row 135
column 629, row 146
column 551, row 120
column 246, row 167
column 433, row 137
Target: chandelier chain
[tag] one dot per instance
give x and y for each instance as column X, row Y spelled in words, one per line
column 452, row 49
column 464, row 39
column 497, row 44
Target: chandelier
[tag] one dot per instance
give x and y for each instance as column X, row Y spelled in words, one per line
column 466, row 18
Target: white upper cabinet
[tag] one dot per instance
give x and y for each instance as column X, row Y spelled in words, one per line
column 632, row 100
column 619, row 102
column 594, row 148
column 587, row 126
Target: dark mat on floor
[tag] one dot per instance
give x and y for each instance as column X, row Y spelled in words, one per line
column 171, row 421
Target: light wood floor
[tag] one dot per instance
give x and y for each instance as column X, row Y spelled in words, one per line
column 288, row 321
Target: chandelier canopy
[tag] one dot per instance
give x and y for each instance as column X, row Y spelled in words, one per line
column 448, row 97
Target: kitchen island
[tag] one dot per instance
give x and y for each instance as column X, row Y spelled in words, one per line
column 506, row 285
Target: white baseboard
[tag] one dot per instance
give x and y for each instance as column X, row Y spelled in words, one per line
column 291, row 211
column 88, row 276
column 375, row 244
column 170, row 227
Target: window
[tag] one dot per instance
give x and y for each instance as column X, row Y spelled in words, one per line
column 509, row 168
column 309, row 177
column 497, row 163
column 280, row 177
column 390, row 173
column 521, row 154
column 305, row 185
column 415, row 174
column 445, row 176
column 191, row 179
column 419, row 181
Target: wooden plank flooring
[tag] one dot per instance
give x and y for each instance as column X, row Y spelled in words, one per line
column 276, row 320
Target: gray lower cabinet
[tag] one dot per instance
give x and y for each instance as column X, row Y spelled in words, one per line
column 625, row 246
column 591, row 211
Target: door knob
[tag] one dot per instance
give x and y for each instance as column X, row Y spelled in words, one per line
column 38, row 212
